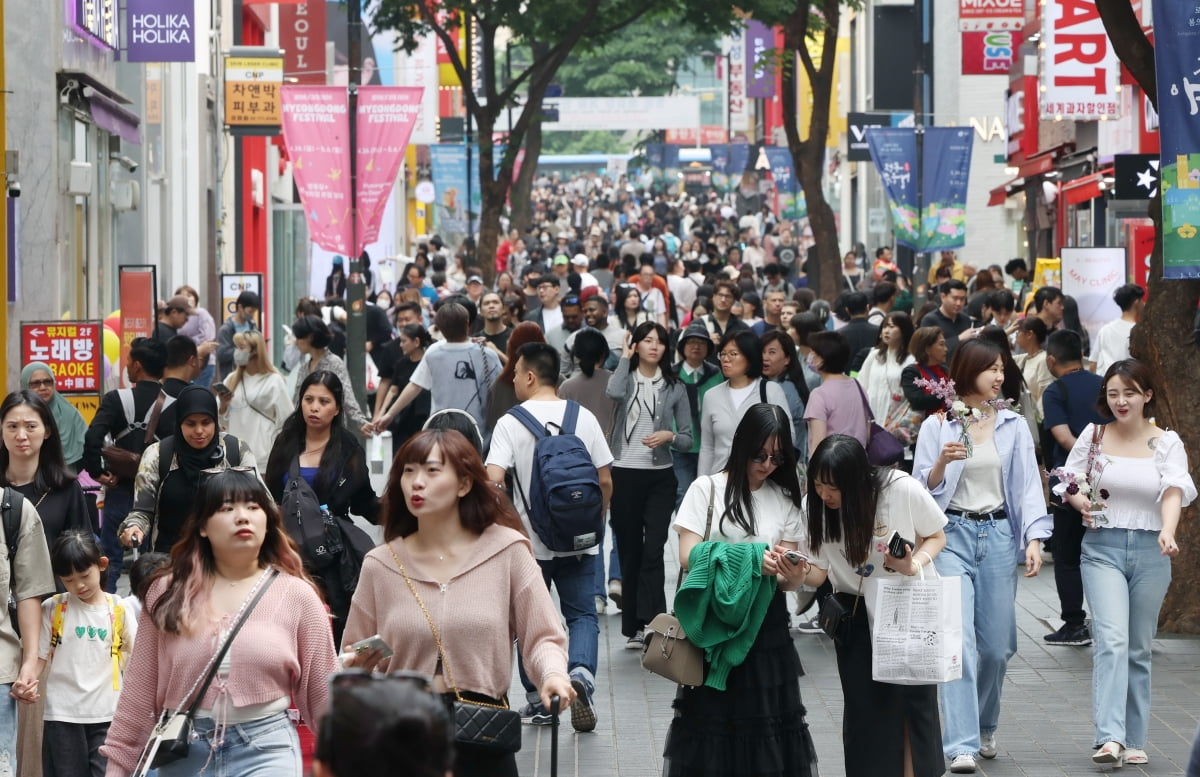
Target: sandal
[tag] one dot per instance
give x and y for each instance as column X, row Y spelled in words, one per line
column 1134, row 755
column 1110, row 753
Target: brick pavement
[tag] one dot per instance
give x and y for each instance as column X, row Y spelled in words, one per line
column 1045, row 728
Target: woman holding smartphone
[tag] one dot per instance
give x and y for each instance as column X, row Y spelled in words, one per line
column 453, row 585
column 854, row 510
column 756, row 726
column 992, row 495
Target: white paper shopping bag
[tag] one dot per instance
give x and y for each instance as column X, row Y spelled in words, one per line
column 916, row 630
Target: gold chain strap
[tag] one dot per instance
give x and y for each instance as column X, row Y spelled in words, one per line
column 436, row 638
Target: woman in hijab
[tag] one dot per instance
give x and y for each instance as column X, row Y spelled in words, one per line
column 165, row 493
column 39, row 378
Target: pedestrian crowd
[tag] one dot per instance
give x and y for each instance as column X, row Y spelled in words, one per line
column 650, row 368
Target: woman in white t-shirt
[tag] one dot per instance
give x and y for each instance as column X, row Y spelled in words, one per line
column 853, row 510
column 1140, row 473
column 756, row 726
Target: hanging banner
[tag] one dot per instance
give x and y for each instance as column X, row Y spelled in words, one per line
column 1176, row 48
column 662, row 163
column 760, row 72
column 386, row 115
column 449, row 166
column 947, row 166
column 136, row 285
column 1090, row 276
column 316, row 132
column 788, row 201
column 160, row 31
column 1080, row 71
column 71, row 349
column 737, row 107
column 947, row 169
column 302, row 38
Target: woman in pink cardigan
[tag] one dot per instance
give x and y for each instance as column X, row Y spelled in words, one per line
column 451, row 540
column 283, row 654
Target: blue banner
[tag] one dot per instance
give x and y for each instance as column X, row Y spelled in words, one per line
column 947, row 167
column 936, row 220
column 449, row 167
column 720, row 166
column 1176, row 49
column 783, row 173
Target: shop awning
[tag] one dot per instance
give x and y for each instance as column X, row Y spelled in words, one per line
column 112, row 117
column 1087, row 188
column 1001, row 193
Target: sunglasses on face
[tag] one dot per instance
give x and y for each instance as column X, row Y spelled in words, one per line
column 37, row 384
column 776, row 459
column 207, row 474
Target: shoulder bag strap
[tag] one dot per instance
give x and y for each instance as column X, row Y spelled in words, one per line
column 437, row 639
column 201, row 688
column 762, row 390
column 712, row 494
column 866, row 405
column 155, row 414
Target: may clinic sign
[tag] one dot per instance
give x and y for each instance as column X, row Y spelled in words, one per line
column 160, row 31
column 1080, row 70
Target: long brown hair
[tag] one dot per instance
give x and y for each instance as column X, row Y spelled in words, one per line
column 524, row 332
column 186, row 599
column 478, row 509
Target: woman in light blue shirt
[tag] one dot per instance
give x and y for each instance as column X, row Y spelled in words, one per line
column 992, row 495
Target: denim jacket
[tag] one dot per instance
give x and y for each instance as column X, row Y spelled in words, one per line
column 673, row 414
column 1023, row 496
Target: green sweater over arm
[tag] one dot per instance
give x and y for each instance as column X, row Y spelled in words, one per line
column 722, row 603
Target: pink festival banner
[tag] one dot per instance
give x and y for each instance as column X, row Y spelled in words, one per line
column 386, row 116
column 316, row 131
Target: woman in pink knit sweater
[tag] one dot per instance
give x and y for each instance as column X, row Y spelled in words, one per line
column 451, row 536
column 283, row 654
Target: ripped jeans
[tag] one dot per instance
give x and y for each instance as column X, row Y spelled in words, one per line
column 8, row 732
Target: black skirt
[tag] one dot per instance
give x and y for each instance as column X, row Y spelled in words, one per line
column 756, row 726
column 875, row 713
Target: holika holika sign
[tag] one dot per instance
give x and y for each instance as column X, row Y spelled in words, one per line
column 160, row 31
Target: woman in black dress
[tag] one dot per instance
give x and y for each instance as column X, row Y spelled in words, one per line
column 853, row 509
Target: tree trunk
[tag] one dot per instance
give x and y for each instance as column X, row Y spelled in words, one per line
column 1164, row 338
column 493, row 185
column 808, row 155
column 522, row 191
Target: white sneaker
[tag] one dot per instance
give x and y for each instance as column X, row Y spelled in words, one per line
column 987, row 745
column 962, row 764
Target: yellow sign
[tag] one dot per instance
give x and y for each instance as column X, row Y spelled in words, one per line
column 154, row 93
column 86, row 404
column 1047, row 272
column 252, row 91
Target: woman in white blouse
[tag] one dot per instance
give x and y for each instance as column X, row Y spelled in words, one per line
column 880, row 373
column 1141, row 476
column 724, row 405
column 257, row 402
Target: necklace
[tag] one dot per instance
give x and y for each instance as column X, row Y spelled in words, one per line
column 318, row 448
column 233, row 583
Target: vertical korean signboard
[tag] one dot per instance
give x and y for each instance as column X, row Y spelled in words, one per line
column 760, row 72
column 1176, row 50
column 252, row 93
column 73, row 351
column 735, row 81
column 136, row 287
column 1080, row 68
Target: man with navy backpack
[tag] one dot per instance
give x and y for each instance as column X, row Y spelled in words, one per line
column 561, row 486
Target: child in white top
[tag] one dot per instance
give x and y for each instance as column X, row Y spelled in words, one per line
column 86, row 639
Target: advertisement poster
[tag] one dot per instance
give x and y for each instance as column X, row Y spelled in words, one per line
column 316, row 132
column 1080, row 71
column 136, row 288
column 252, row 92
column 449, row 164
column 895, row 154
column 989, row 53
column 789, row 200
column 1091, row 275
column 386, row 115
column 233, row 284
column 160, row 31
column 1176, row 49
column 71, row 349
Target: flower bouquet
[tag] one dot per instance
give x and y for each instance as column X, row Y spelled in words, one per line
column 1071, row 483
column 943, row 389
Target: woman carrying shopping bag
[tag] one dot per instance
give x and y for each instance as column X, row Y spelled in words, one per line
column 853, row 510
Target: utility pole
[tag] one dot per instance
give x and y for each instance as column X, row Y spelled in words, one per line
column 920, row 16
column 356, row 291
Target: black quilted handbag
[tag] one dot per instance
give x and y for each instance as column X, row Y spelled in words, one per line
column 491, row 726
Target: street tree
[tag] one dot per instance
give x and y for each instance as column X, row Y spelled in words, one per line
column 1164, row 338
column 559, row 26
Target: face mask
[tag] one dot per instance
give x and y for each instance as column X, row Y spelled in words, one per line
column 241, row 357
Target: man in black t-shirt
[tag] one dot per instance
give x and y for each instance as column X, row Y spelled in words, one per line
column 494, row 331
column 1068, row 407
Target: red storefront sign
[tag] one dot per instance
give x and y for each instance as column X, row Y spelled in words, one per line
column 302, row 38
column 692, row 136
column 991, row 14
column 72, row 349
column 989, row 53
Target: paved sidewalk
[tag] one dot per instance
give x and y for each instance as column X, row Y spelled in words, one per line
column 1045, row 728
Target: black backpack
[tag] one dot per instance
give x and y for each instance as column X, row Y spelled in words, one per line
column 12, row 503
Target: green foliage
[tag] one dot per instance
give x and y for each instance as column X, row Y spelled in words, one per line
column 589, row 142
column 644, row 58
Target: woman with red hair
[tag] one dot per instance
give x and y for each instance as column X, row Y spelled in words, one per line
column 504, row 397
column 453, row 585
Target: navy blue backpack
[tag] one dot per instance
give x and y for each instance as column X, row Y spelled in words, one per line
column 565, row 504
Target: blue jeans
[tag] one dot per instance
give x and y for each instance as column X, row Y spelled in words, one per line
column 261, row 748
column 205, row 378
column 574, row 577
column 117, row 504
column 614, row 567
column 1125, row 577
column 8, row 732
column 981, row 553
column 686, row 466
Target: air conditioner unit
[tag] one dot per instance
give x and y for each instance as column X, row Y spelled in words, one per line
column 80, row 178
